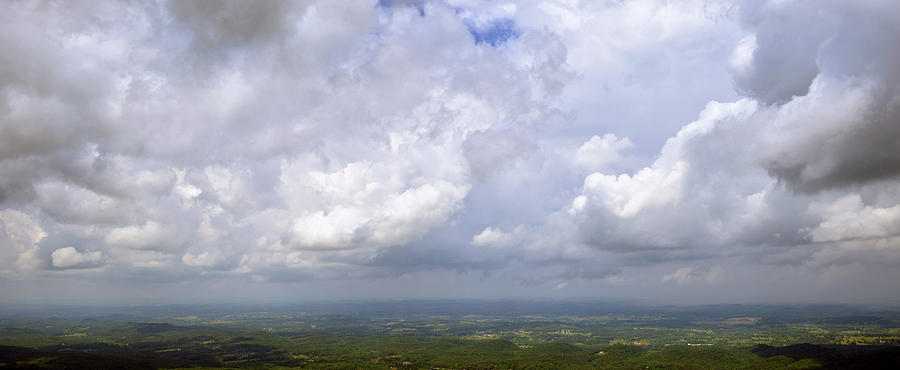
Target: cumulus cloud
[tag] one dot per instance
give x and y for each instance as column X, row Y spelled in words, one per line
column 663, row 183
column 600, row 151
column 802, row 123
column 400, row 218
column 568, row 145
column 69, row 258
column 343, row 131
column 19, row 241
column 848, row 218
column 830, row 64
column 493, row 237
column 149, row 235
column 205, row 259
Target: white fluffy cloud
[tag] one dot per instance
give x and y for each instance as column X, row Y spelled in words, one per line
column 340, row 133
column 205, row 259
column 848, row 218
column 149, row 235
column 664, row 182
column 532, row 142
column 18, row 241
column 600, row 151
column 69, row 257
column 493, row 237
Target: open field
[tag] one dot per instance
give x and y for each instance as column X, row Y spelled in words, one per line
column 449, row 334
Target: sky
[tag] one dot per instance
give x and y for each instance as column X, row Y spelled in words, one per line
column 689, row 151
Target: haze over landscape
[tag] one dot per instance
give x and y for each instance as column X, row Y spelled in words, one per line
column 682, row 152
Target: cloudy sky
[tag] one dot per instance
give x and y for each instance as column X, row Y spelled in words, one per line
column 684, row 151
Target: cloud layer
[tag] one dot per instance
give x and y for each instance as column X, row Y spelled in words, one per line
column 477, row 149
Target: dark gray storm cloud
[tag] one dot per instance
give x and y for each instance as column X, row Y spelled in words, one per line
column 460, row 148
column 839, row 60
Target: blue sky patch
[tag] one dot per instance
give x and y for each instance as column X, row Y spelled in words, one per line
column 495, row 34
column 391, row 3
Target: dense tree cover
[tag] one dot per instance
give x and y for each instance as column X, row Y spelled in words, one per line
column 259, row 349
